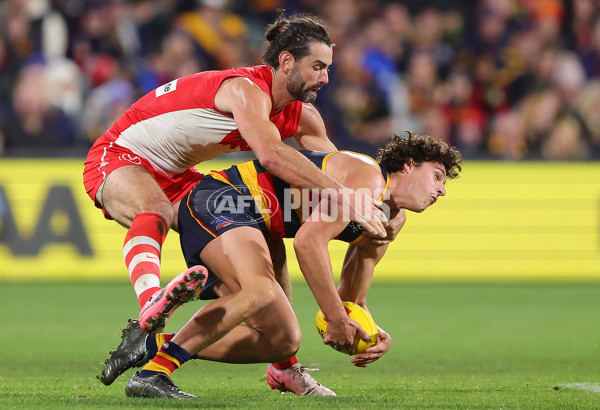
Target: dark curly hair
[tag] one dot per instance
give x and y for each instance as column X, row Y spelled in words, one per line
column 420, row 148
column 293, row 34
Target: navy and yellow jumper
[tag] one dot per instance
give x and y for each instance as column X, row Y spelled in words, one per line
column 247, row 195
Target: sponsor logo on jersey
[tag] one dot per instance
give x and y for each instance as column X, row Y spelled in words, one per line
column 223, row 221
column 134, row 159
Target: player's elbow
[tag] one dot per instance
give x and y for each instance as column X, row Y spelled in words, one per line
column 302, row 245
column 270, row 158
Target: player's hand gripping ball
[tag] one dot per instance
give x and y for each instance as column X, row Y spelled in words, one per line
column 363, row 318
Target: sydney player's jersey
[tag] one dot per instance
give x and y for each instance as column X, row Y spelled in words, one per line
column 282, row 207
column 177, row 126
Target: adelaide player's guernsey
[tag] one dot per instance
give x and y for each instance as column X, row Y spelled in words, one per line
column 248, row 195
column 177, row 126
column 280, row 208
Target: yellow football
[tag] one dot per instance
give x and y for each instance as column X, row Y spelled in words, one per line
column 363, row 318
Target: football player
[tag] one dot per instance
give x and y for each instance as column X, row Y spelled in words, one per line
column 225, row 222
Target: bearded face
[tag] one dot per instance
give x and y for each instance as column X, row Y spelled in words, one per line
column 299, row 89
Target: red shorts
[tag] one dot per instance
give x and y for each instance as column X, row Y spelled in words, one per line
column 105, row 156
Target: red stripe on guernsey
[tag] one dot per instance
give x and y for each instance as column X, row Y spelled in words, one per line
column 197, row 220
column 265, row 181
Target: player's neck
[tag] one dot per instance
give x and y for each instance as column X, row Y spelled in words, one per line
column 279, row 94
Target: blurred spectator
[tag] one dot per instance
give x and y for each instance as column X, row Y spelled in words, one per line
column 466, row 120
column 112, row 95
column 177, row 57
column 587, row 107
column 33, row 122
column 219, row 34
column 564, row 141
column 502, row 79
column 507, row 139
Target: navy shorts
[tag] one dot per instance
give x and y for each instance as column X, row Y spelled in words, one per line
column 208, row 210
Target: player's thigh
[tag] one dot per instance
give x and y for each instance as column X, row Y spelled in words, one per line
column 278, row 314
column 240, row 258
column 131, row 190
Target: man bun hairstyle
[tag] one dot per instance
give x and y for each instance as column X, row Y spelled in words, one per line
column 420, row 148
column 293, row 34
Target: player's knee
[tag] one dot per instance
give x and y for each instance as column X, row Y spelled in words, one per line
column 292, row 343
column 268, row 293
column 286, row 342
column 164, row 210
column 261, row 293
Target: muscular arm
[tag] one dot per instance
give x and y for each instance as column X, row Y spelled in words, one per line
column 311, row 135
column 355, row 280
column 311, row 132
column 357, row 271
column 251, row 107
column 310, row 245
column 311, row 242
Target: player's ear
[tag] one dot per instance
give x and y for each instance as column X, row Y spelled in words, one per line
column 286, row 62
column 408, row 165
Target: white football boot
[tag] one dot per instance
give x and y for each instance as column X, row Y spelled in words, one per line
column 297, row 380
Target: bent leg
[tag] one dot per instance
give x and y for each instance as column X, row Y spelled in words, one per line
column 271, row 335
column 133, row 198
column 131, row 190
column 278, row 256
column 256, row 299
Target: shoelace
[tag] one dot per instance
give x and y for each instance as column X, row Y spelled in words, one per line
column 309, row 367
column 311, row 384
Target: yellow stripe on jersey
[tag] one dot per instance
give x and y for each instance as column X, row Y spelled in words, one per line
column 249, row 175
column 385, row 188
column 221, row 178
column 325, row 158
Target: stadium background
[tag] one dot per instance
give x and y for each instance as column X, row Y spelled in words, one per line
column 513, row 83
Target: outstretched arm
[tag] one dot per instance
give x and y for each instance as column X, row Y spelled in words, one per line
column 313, row 237
column 313, row 257
column 355, row 281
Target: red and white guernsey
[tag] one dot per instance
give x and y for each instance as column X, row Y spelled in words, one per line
column 177, row 126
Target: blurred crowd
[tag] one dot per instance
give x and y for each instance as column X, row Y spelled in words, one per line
column 500, row 79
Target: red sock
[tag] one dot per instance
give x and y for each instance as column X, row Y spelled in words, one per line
column 286, row 364
column 142, row 250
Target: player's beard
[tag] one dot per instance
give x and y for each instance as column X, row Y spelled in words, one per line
column 298, row 88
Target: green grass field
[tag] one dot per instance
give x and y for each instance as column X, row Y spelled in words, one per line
column 454, row 346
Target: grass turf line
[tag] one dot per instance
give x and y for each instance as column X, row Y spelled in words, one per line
column 454, row 346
